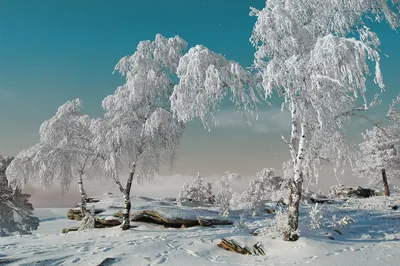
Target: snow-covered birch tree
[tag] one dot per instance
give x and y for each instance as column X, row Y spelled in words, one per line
column 138, row 129
column 65, row 153
column 379, row 155
column 306, row 55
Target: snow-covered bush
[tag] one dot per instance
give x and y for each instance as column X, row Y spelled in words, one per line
column 266, row 187
column 196, row 193
column 342, row 224
column 241, row 224
column 15, row 209
column 224, row 192
column 88, row 222
column 279, row 226
column 223, row 203
column 316, row 217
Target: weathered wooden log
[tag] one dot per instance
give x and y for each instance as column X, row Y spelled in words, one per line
column 71, row 229
column 321, row 200
column 232, row 245
column 104, row 223
column 151, row 216
column 258, row 249
column 212, row 222
column 353, row 192
column 76, row 214
column 118, row 214
column 92, row 200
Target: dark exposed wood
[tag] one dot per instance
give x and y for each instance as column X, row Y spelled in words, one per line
column 71, row 229
column 231, row 245
column 385, row 183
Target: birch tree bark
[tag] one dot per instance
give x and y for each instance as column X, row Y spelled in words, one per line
column 83, row 194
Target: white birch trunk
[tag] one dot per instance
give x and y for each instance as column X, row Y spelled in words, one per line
column 83, row 194
column 296, row 185
column 127, row 209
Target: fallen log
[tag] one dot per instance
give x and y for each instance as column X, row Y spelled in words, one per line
column 104, row 223
column 76, row 214
column 151, row 216
column 232, row 245
column 342, row 191
column 71, row 229
column 92, row 200
column 212, row 222
column 321, row 200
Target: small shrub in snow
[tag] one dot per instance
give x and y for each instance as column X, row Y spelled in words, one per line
column 342, row 224
column 278, row 228
column 88, row 222
column 366, row 236
column 267, row 186
column 316, row 217
column 223, row 203
column 224, row 194
column 281, row 223
column 241, row 224
column 197, row 193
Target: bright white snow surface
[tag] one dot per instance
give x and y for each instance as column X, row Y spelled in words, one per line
column 373, row 239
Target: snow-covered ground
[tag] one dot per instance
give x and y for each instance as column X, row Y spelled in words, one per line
column 373, row 239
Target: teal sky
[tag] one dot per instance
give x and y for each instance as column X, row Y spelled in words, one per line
column 52, row 51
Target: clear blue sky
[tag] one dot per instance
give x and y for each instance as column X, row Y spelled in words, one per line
column 52, row 51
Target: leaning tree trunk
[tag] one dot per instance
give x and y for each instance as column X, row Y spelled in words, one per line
column 127, row 210
column 385, row 183
column 83, row 195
